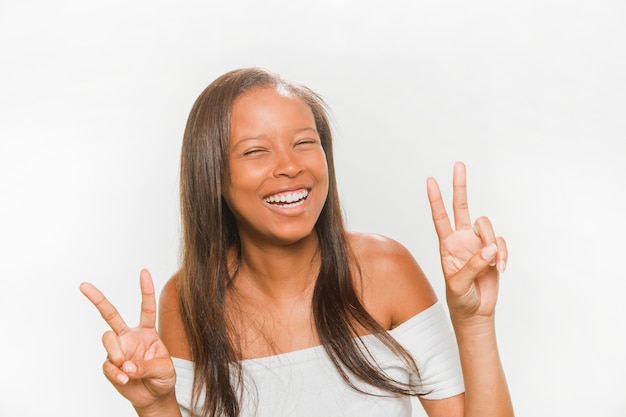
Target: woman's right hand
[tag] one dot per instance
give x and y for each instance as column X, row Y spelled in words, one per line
column 138, row 363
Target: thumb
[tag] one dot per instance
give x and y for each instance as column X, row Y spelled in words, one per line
column 465, row 276
column 159, row 370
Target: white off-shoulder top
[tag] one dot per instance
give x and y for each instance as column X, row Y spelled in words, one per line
column 305, row 383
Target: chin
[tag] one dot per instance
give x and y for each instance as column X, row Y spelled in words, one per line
column 294, row 237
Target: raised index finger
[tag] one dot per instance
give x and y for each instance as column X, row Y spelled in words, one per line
column 147, row 319
column 108, row 312
column 438, row 209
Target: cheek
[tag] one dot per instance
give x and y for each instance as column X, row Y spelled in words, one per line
column 324, row 168
column 242, row 178
column 323, row 178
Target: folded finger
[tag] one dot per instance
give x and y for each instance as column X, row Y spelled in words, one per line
column 503, row 254
column 111, row 344
column 484, row 230
column 114, row 374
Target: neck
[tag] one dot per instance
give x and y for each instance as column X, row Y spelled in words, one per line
column 278, row 272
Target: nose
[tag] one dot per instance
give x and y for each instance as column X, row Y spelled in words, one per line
column 287, row 164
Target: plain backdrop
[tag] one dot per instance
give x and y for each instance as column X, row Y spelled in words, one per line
column 530, row 94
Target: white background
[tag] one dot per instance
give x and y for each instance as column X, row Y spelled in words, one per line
column 530, row 94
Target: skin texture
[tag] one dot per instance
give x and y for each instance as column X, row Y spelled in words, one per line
column 138, row 364
column 275, row 150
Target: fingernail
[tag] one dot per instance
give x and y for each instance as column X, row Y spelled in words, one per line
column 129, row 367
column 122, row 379
column 489, row 251
column 501, row 265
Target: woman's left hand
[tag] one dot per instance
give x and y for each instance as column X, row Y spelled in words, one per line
column 471, row 255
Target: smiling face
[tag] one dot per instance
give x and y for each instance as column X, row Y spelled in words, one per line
column 278, row 172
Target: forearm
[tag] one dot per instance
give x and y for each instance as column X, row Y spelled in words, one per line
column 486, row 391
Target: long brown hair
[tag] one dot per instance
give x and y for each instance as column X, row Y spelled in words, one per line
column 210, row 232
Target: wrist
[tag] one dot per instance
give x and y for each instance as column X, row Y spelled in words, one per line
column 164, row 407
column 474, row 324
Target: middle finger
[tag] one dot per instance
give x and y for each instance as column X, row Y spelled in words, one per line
column 459, row 198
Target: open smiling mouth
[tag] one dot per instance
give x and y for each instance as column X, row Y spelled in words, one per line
column 287, row 200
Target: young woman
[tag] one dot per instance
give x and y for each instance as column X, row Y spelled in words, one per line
column 277, row 310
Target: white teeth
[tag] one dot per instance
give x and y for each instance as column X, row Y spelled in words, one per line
column 287, row 198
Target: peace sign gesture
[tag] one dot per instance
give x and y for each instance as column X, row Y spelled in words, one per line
column 471, row 255
column 138, row 363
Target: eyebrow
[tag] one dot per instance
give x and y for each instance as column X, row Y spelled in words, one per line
column 297, row 131
column 304, row 129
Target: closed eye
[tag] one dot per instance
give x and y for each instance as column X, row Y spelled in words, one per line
column 253, row 151
column 307, row 142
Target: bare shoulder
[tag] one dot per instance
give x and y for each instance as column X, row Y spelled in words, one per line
column 171, row 328
column 393, row 286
